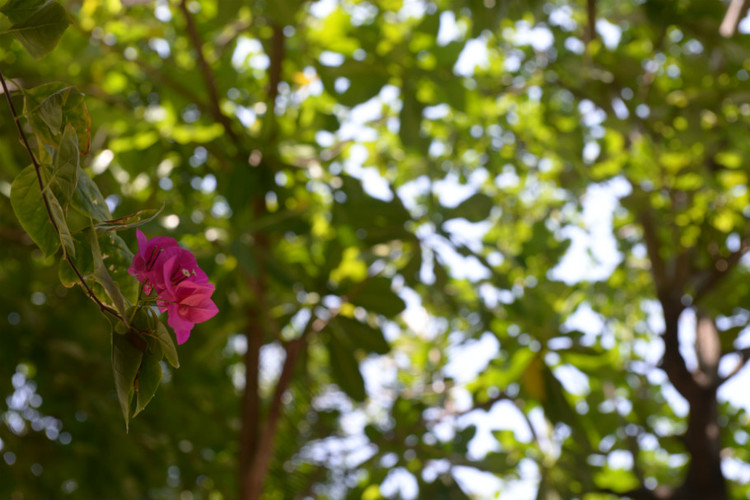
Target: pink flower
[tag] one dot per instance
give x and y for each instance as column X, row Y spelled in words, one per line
column 182, row 288
column 150, row 258
column 187, row 301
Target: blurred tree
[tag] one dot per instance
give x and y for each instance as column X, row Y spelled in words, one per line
column 329, row 163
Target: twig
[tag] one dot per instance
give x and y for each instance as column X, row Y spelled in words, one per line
column 722, row 267
column 744, row 358
column 591, row 28
column 732, row 18
column 37, row 168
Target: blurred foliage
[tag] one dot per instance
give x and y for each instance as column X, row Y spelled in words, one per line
column 412, row 177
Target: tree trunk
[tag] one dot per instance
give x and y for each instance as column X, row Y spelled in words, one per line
column 704, row 479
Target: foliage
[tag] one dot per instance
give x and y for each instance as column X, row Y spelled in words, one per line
column 389, row 197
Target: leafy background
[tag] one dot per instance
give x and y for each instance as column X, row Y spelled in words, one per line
column 330, row 162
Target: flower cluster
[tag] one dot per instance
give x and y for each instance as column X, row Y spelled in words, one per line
column 172, row 274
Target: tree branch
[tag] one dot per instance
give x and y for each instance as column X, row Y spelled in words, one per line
column 732, row 18
column 207, row 73
column 591, row 27
column 721, row 269
column 744, row 358
column 253, row 482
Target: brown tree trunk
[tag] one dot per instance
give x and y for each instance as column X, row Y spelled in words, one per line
column 705, row 479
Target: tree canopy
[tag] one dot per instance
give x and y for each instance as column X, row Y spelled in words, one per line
column 449, row 240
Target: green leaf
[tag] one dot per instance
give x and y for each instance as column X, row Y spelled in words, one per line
column 105, row 279
column 476, row 208
column 41, row 31
column 65, row 164
column 82, row 259
column 43, row 106
column 167, row 344
column 62, row 226
column 345, row 368
column 149, row 376
column 20, row 10
column 362, row 335
column 131, row 221
column 87, row 198
column 26, row 199
column 376, row 295
column 366, row 78
column 51, row 106
column 126, row 360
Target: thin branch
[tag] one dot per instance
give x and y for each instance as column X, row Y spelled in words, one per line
column 274, row 71
column 721, row 269
column 255, row 479
column 38, row 169
column 591, row 28
column 732, row 18
column 207, row 73
column 744, row 358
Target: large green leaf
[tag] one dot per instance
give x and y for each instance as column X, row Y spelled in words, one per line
column 42, row 30
column 126, row 360
column 345, row 367
column 62, row 225
column 377, row 296
column 65, row 165
column 20, row 10
column 365, row 80
column 27, row 202
column 476, row 208
column 167, row 344
column 149, row 376
column 361, row 335
column 51, row 106
column 105, row 279
column 87, row 198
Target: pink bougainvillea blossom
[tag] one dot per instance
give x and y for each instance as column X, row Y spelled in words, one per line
column 181, row 287
column 149, row 260
column 186, row 301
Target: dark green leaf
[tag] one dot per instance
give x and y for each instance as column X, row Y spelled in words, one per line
column 149, row 376
column 126, row 359
column 62, row 225
column 376, row 295
column 65, row 165
column 474, row 209
column 167, row 344
column 26, row 199
column 51, row 106
column 365, row 80
column 20, row 10
column 41, row 31
column 105, row 279
column 345, row 368
column 362, row 335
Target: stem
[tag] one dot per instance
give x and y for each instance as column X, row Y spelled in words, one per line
column 38, row 169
